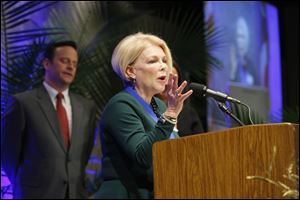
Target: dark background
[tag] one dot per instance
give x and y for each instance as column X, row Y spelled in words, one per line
column 289, row 42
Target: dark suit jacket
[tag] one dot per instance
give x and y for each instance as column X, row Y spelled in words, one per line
column 127, row 135
column 189, row 122
column 33, row 153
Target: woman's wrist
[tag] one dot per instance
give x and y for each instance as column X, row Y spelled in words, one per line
column 168, row 119
column 170, row 114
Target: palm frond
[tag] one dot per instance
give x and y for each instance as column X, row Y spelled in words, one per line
column 21, row 47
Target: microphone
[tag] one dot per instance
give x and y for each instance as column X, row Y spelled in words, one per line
column 219, row 96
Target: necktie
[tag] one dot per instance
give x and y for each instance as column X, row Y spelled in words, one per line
column 63, row 119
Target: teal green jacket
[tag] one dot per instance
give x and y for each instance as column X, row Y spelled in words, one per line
column 127, row 135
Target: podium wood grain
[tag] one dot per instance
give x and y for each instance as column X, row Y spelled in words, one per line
column 216, row 164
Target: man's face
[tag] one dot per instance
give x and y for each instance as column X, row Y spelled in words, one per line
column 242, row 36
column 62, row 69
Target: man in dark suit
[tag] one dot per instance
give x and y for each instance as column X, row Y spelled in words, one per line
column 47, row 133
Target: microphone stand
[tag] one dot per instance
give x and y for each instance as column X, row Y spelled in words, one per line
column 223, row 107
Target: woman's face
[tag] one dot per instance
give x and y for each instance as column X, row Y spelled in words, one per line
column 151, row 71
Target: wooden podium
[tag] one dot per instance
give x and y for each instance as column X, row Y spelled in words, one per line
column 216, row 164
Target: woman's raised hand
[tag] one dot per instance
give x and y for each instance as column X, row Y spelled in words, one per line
column 175, row 96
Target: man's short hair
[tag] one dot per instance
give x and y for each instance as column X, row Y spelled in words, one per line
column 50, row 50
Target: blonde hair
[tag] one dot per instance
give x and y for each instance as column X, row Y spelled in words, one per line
column 131, row 47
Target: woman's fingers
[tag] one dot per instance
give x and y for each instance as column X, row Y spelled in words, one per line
column 186, row 95
column 170, row 80
column 175, row 82
column 176, row 91
column 181, row 87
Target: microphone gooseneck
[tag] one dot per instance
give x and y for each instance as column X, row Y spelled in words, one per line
column 219, row 96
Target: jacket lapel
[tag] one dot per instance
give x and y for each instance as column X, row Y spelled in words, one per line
column 46, row 105
column 77, row 111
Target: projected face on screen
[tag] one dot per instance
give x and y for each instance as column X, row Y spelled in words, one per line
column 249, row 55
column 241, row 65
column 242, row 36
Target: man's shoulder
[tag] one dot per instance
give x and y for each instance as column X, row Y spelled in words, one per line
column 26, row 94
column 81, row 98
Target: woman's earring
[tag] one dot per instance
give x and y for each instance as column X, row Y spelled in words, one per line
column 133, row 81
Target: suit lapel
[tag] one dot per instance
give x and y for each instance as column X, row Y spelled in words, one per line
column 47, row 107
column 77, row 111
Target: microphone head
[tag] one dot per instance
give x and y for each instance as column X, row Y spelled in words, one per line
column 204, row 91
column 198, row 88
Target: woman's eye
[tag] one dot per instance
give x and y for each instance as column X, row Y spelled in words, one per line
column 152, row 61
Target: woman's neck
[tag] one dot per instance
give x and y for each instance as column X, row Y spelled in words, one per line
column 145, row 95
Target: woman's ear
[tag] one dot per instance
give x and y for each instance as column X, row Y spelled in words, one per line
column 130, row 72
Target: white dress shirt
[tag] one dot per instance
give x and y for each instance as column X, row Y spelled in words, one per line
column 66, row 102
